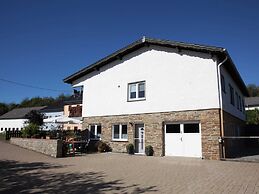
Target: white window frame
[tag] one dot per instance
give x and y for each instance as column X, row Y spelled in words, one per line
column 95, row 132
column 137, row 91
column 120, row 133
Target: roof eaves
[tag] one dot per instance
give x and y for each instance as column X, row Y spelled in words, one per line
column 117, row 54
column 135, row 45
column 236, row 72
column 149, row 41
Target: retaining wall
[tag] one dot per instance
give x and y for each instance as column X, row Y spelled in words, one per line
column 51, row 147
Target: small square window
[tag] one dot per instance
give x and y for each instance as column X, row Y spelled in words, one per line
column 120, row 132
column 137, row 91
column 172, row 128
column 191, row 128
column 95, row 132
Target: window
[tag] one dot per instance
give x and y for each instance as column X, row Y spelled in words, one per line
column 237, row 100
column 137, row 91
column 232, row 98
column 223, row 84
column 243, row 103
column 172, row 128
column 5, row 129
column 240, row 103
column 120, row 132
column 191, row 128
column 95, row 131
column 2, row 129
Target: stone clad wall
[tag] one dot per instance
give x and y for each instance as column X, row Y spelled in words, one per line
column 49, row 147
column 154, row 132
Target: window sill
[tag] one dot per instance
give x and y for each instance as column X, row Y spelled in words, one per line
column 134, row 100
column 120, row 140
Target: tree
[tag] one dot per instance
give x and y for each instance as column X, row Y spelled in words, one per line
column 3, row 108
column 35, row 117
column 253, row 90
column 30, row 130
column 252, row 117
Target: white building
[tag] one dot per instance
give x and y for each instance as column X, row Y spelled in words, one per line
column 50, row 114
column 177, row 97
column 252, row 103
column 14, row 120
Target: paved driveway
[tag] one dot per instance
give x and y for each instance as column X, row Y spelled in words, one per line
column 25, row 171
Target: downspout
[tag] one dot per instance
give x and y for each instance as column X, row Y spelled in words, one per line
column 221, row 104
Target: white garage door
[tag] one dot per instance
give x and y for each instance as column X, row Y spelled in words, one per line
column 183, row 140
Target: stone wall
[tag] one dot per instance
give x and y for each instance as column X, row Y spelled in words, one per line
column 49, row 147
column 154, row 132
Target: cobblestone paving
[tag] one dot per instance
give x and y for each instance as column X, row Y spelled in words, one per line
column 24, row 171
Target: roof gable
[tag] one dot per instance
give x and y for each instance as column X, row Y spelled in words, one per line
column 19, row 113
column 221, row 53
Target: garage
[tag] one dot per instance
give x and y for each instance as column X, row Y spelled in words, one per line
column 183, row 139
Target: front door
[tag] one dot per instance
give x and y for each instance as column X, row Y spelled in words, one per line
column 139, row 138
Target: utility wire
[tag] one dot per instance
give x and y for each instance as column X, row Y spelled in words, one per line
column 30, row 86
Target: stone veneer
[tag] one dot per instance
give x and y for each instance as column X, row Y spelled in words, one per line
column 154, row 124
column 51, row 147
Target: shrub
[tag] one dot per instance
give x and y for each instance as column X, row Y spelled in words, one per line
column 130, row 148
column 2, row 136
column 103, row 147
column 149, row 150
column 30, row 130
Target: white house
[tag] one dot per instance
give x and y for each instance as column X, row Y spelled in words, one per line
column 252, row 103
column 177, row 97
column 50, row 114
column 14, row 120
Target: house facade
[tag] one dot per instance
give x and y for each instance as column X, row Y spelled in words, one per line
column 51, row 113
column 73, row 110
column 179, row 98
column 15, row 120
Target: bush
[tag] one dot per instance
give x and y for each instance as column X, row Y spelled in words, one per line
column 130, row 148
column 2, row 136
column 103, row 147
column 30, row 130
column 149, row 150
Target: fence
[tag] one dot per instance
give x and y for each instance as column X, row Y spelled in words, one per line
column 9, row 134
column 237, row 147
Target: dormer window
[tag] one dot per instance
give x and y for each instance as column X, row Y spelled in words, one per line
column 137, row 91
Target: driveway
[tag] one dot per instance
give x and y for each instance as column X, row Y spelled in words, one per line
column 24, row 171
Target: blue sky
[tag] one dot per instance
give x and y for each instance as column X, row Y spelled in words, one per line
column 43, row 41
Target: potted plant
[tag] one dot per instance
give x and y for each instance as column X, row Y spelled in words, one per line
column 103, row 147
column 149, row 150
column 130, row 149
